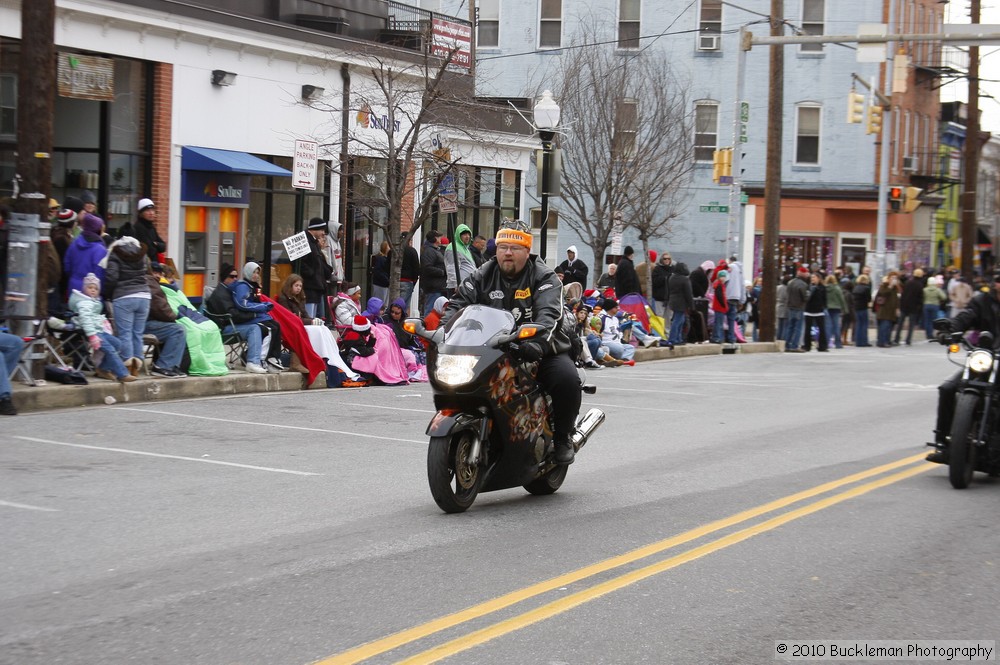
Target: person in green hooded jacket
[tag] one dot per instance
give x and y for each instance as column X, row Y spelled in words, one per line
column 466, row 264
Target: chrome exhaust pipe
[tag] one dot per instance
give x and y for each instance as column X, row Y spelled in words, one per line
column 585, row 427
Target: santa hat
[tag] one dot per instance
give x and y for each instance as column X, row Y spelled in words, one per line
column 803, row 270
column 361, row 324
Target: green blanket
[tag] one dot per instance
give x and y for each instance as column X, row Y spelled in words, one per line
column 204, row 341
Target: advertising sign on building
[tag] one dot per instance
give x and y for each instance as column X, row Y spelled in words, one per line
column 454, row 39
column 86, row 77
column 304, row 165
column 210, row 188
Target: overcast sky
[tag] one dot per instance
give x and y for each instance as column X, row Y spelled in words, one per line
column 957, row 11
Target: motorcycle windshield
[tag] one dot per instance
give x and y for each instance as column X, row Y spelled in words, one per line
column 478, row 325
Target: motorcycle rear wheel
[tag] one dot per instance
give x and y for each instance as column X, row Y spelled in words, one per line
column 964, row 431
column 548, row 483
column 453, row 481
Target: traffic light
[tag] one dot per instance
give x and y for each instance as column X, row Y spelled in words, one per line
column 874, row 119
column 855, row 107
column 895, row 197
column 722, row 166
column 910, row 200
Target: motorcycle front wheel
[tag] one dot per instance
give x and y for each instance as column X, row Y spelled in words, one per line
column 964, row 432
column 454, row 482
column 548, row 483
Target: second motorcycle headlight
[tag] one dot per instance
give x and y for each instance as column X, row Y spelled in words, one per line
column 980, row 361
column 455, row 370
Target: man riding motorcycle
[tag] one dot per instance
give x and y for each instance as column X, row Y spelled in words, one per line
column 519, row 282
column 983, row 314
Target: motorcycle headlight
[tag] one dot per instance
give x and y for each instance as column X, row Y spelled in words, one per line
column 980, row 362
column 455, row 370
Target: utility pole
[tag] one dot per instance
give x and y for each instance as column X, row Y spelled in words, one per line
column 772, row 185
column 971, row 156
column 35, row 107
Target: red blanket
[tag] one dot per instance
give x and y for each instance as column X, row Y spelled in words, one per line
column 294, row 336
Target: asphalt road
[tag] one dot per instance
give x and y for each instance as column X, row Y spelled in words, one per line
column 727, row 503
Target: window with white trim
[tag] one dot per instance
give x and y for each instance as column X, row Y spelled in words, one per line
column 710, row 25
column 488, row 24
column 628, row 24
column 550, row 24
column 808, row 118
column 813, row 23
column 706, row 130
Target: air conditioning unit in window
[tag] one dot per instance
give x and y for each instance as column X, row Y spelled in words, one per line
column 708, row 42
column 910, row 164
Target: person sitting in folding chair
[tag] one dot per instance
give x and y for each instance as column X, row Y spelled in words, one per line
column 222, row 309
column 104, row 345
column 11, row 347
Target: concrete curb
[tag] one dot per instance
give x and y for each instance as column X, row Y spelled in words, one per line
column 150, row 389
column 147, row 389
column 691, row 350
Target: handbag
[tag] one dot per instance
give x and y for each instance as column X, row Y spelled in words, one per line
column 66, row 375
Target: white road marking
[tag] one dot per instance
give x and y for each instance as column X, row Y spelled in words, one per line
column 11, row 504
column 259, row 424
column 161, row 455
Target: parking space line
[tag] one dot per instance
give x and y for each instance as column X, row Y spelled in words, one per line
column 261, row 424
column 11, row 504
column 164, row 456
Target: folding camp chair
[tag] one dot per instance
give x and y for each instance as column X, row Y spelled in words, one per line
column 37, row 347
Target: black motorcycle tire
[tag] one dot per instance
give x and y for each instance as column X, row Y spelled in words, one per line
column 548, row 483
column 962, row 450
column 453, row 481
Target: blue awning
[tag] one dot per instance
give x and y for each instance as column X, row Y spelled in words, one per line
column 227, row 161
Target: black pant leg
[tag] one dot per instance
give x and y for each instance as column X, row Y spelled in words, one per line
column 558, row 376
column 946, row 405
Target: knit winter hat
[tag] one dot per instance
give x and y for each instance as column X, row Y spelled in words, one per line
column 652, row 256
column 66, row 217
column 608, row 304
column 91, row 278
column 361, row 324
column 73, row 203
column 92, row 223
column 317, row 224
column 723, row 275
column 708, row 266
column 88, row 197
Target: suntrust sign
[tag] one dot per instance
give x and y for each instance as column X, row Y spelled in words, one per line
column 228, row 189
column 86, row 77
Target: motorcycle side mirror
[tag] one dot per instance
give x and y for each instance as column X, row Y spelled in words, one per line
column 416, row 327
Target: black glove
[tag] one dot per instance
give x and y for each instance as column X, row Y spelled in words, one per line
column 944, row 338
column 528, row 351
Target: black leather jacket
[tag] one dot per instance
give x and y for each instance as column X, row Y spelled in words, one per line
column 983, row 313
column 534, row 296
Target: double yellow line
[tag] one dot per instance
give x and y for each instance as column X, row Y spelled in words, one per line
column 566, row 603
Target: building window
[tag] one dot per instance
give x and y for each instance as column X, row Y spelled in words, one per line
column 706, row 130
column 488, row 24
column 626, row 127
column 8, row 106
column 550, row 24
column 807, row 124
column 812, row 23
column 710, row 25
column 628, row 24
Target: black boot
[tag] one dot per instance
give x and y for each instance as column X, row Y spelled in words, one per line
column 564, row 453
column 7, row 408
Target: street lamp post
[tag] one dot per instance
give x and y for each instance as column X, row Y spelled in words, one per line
column 546, row 116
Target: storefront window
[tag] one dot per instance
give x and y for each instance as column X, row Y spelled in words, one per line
column 128, row 113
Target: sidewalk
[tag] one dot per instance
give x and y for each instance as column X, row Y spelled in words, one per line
column 99, row 392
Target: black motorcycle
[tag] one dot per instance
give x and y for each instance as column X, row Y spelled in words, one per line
column 493, row 427
column 974, row 442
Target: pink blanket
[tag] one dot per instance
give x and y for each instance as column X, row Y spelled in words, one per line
column 387, row 362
